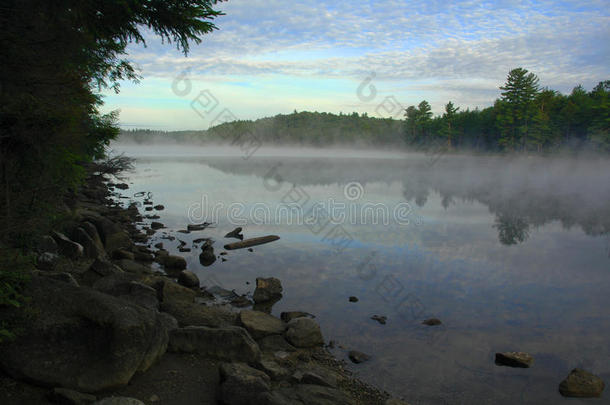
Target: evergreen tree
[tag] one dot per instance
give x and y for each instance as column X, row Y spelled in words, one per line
column 449, row 121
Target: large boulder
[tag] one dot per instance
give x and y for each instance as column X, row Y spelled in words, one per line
column 267, row 289
column 82, row 339
column 242, row 384
column 582, row 384
column 304, row 332
column 230, row 343
column 188, row 314
column 260, row 324
column 68, row 247
column 93, row 249
column 112, row 234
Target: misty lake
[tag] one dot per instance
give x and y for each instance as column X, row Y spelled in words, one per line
column 510, row 254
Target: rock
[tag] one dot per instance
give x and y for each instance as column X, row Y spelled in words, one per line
column 260, row 324
column 112, row 234
column 432, row 322
column 92, row 248
column 582, row 384
column 304, row 332
column 275, row 343
column 156, row 225
column 207, row 256
column 197, row 227
column 188, row 279
column 394, row 401
column 60, row 276
column 93, row 233
column 235, row 233
column 230, row 343
column 267, row 289
column 310, row 377
column 120, row 254
column 132, row 291
column 64, row 396
column 272, row 369
column 358, row 357
column 353, row 299
column 289, row 316
column 47, row 244
column 82, row 339
column 170, row 292
column 242, row 384
column 98, row 269
column 188, row 314
column 250, row 250
column 241, row 302
column 159, row 207
column 308, row 394
column 159, row 245
column 47, row 261
column 67, row 247
column 146, row 257
column 131, row 266
column 380, row 318
column 121, row 186
column 119, row 401
column 514, row 359
column 172, row 262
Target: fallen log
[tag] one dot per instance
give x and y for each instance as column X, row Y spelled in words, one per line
column 251, row 242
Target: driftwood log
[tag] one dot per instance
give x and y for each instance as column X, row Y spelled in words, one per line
column 251, row 242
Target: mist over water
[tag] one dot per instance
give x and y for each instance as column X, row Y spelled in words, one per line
column 511, row 253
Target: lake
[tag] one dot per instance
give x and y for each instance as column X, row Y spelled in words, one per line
column 511, row 254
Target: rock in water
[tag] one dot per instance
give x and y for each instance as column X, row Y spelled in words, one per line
column 235, row 233
column 290, row 315
column 207, row 256
column 380, row 318
column 267, row 289
column 432, row 322
column 304, row 332
column 581, row 384
column 353, row 299
column 82, row 339
column 188, row 279
column 358, row 357
column 514, row 359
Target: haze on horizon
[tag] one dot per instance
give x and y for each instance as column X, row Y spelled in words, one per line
column 272, row 57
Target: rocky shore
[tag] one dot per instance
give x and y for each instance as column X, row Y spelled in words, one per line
column 105, row 326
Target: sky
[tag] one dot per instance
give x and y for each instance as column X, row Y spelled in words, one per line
column 272, row 57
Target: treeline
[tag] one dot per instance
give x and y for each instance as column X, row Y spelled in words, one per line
column 299, row 128
column 56, row 56
column 524, row 118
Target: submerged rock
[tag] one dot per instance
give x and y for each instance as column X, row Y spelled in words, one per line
column 582, row 384
column 380, row 318
column 514, row 359
column 432, row 322
column 358, row 357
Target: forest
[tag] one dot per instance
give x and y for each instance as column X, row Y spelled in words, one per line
column 525, row 118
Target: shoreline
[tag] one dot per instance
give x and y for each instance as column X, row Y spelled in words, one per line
column 179, row 327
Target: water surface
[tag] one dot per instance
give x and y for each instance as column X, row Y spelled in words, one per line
column 511, row 255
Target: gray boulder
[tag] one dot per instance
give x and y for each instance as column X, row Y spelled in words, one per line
column 68, row 247
column 93, row 249
column 82, row 339
column 230, row 343
column 242, row 384
column 188, row 279
column 260, row 324
column 188, row 313
column 514, row 359
column 304, row 332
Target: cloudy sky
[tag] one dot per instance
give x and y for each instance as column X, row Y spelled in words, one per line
column 270, row 57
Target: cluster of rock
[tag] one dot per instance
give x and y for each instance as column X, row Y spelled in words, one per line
column 98, row 314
